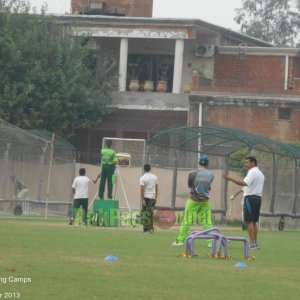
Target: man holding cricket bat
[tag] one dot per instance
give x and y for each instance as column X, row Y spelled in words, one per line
column 253, row 185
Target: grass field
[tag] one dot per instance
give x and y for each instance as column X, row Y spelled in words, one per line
column 48, row 259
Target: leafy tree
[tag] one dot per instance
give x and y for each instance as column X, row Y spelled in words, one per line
column 274, row 21
column 48, row 78
column 237, row 159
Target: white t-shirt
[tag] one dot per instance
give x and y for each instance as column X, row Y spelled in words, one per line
column 255, row 182
column 81, row 185
column 149, row 181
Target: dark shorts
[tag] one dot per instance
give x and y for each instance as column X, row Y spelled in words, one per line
column 150, row 204
column 83, row 202
column 251, row 208
column 147, row 214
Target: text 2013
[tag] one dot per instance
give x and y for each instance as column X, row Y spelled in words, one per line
column 10, row 295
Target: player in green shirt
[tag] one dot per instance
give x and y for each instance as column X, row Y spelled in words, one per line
column 108, row 163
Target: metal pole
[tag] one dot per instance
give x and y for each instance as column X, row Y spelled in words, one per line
column 49, row 175
column 174, row 183
column 123, row 189
column 41, row 175
column 5, row 169
column 225, row 187
column 273, row 185
column 294, row 210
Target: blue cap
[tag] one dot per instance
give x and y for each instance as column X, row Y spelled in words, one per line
column 203, row 160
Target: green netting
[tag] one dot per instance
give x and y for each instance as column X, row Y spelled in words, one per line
column 59, row 142
column 220, row 141
column 177, row 150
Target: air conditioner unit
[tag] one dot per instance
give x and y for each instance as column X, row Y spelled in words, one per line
column 205, row 50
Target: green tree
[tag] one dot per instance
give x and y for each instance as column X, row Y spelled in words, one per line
column 48, row 78
column 274, row 21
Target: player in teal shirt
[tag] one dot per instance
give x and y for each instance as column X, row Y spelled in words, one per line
column 198, row 204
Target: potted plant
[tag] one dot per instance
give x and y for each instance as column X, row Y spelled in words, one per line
column 148, row 86
column 187, row 86
column 162, row 83
column 133, row 75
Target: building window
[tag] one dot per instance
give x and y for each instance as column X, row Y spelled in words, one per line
column 151, row 67
column 284, row 114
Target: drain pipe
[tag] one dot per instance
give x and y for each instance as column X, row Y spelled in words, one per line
column 286, row 72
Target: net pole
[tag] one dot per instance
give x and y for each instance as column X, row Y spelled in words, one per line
column 124, row 192
column 49, row 175
column 90, row 205
column 174, row 183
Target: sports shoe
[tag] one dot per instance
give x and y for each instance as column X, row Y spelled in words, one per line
column 254, row 246
column 177, row 243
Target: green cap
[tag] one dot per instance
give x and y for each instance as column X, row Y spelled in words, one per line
column 203, row 160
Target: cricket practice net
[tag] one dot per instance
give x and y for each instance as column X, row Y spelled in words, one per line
column 37, row 169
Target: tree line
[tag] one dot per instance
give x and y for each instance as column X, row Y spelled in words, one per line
column 52, row 80
column 274, row 21
column 48, row 78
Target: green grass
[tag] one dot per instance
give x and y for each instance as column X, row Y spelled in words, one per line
column 68, row 263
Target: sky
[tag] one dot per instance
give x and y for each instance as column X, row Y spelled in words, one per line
column 218, row 12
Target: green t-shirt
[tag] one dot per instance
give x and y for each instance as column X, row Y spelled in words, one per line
column 108, row 156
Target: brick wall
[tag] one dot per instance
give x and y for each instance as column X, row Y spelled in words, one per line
column 132, row 8
column 257, row 120
column 260, row 74
column 296, row 67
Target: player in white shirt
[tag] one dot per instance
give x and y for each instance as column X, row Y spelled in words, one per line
column 149, row 190
column 80, row 187
column 253, row 185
